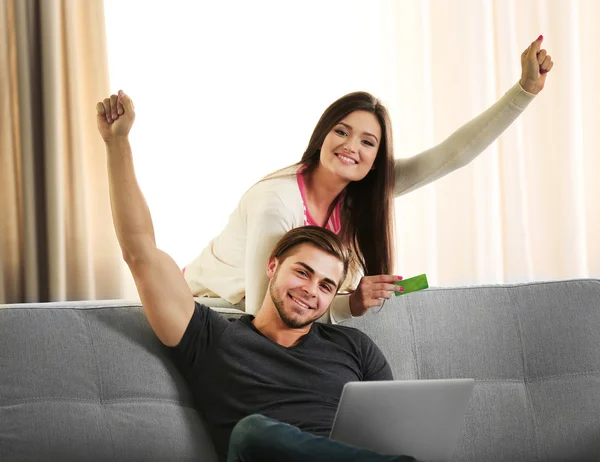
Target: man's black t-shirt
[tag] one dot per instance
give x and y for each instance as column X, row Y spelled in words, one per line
column 235, row 371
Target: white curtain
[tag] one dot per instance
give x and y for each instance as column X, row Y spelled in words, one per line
column 228, row 91
column 527, row 208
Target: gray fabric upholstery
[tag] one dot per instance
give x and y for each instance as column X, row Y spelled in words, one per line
column 90, row 381
column 534, row 350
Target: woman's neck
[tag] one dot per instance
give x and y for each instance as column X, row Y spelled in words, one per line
column 322, row 187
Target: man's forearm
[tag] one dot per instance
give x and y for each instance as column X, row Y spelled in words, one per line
column 131, row 216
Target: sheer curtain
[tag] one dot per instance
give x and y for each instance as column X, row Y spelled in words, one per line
column 226, row 92
column 526, row 208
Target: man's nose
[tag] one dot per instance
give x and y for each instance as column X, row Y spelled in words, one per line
column 310, row 288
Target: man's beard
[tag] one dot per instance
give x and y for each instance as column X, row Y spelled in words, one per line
column 279, row 305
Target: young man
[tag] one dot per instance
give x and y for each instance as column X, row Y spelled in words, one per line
column 268, row 386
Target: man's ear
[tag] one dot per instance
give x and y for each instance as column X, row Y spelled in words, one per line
column 272, row 267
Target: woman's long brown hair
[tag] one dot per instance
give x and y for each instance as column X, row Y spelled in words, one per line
column 367, row 209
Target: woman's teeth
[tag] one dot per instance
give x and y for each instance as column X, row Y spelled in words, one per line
column 346, row 160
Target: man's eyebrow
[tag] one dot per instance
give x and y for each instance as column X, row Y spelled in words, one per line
column 349, row 127
column 312, row 271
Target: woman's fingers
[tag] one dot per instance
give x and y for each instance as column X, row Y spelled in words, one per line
column 533, row 49
column 382, row 282
column 371, row 291
column 541, row 56
column 382, row 278
column 381, row 294
column 388, row 287
column 545, row 61
column 546, row 65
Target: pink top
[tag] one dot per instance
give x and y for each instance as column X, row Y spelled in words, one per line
column 333, row 222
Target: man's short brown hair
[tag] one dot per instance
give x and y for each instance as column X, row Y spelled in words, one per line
column 321, row 238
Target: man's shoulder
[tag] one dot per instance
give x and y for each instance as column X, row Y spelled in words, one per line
column 225, row 316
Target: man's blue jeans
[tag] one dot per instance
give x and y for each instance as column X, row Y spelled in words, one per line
column 259, row 439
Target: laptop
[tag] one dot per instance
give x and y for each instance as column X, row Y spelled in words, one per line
column 418, row 418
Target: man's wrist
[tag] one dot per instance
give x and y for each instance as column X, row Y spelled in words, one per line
column 117, row 142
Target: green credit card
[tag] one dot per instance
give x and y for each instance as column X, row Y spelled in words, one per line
column 412, row 284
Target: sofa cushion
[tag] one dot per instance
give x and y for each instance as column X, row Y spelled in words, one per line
column 534, row 350
column 85, row 380
column 90, row 381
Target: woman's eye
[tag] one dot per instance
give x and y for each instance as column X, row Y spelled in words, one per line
column 369, row 143
column 340, row 132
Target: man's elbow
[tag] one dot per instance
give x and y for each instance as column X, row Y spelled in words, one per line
column 139, row 254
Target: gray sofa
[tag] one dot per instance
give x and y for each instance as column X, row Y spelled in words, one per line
column 89, row 381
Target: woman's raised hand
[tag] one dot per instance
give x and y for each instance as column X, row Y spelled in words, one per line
column 115, row 116
column 535, row 65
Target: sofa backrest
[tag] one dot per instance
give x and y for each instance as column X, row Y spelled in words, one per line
column 534, row 350
column 90, row 381
column 81, row 381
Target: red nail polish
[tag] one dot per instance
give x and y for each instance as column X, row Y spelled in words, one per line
column 541, row 37
column 399, row 278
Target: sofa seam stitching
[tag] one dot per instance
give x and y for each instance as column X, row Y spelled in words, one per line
column 540, row 379
column 529, row 399
column 102, row 409
column 562, row 376
column 15, row 402
column 414, row 342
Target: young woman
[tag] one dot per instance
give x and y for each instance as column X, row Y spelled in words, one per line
column 346, row 182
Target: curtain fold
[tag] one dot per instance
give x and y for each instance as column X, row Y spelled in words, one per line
column 56, row 239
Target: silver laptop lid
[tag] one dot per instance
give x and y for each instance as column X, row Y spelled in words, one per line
column 418, row 418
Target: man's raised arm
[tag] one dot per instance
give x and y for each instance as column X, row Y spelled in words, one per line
column 165, row 295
